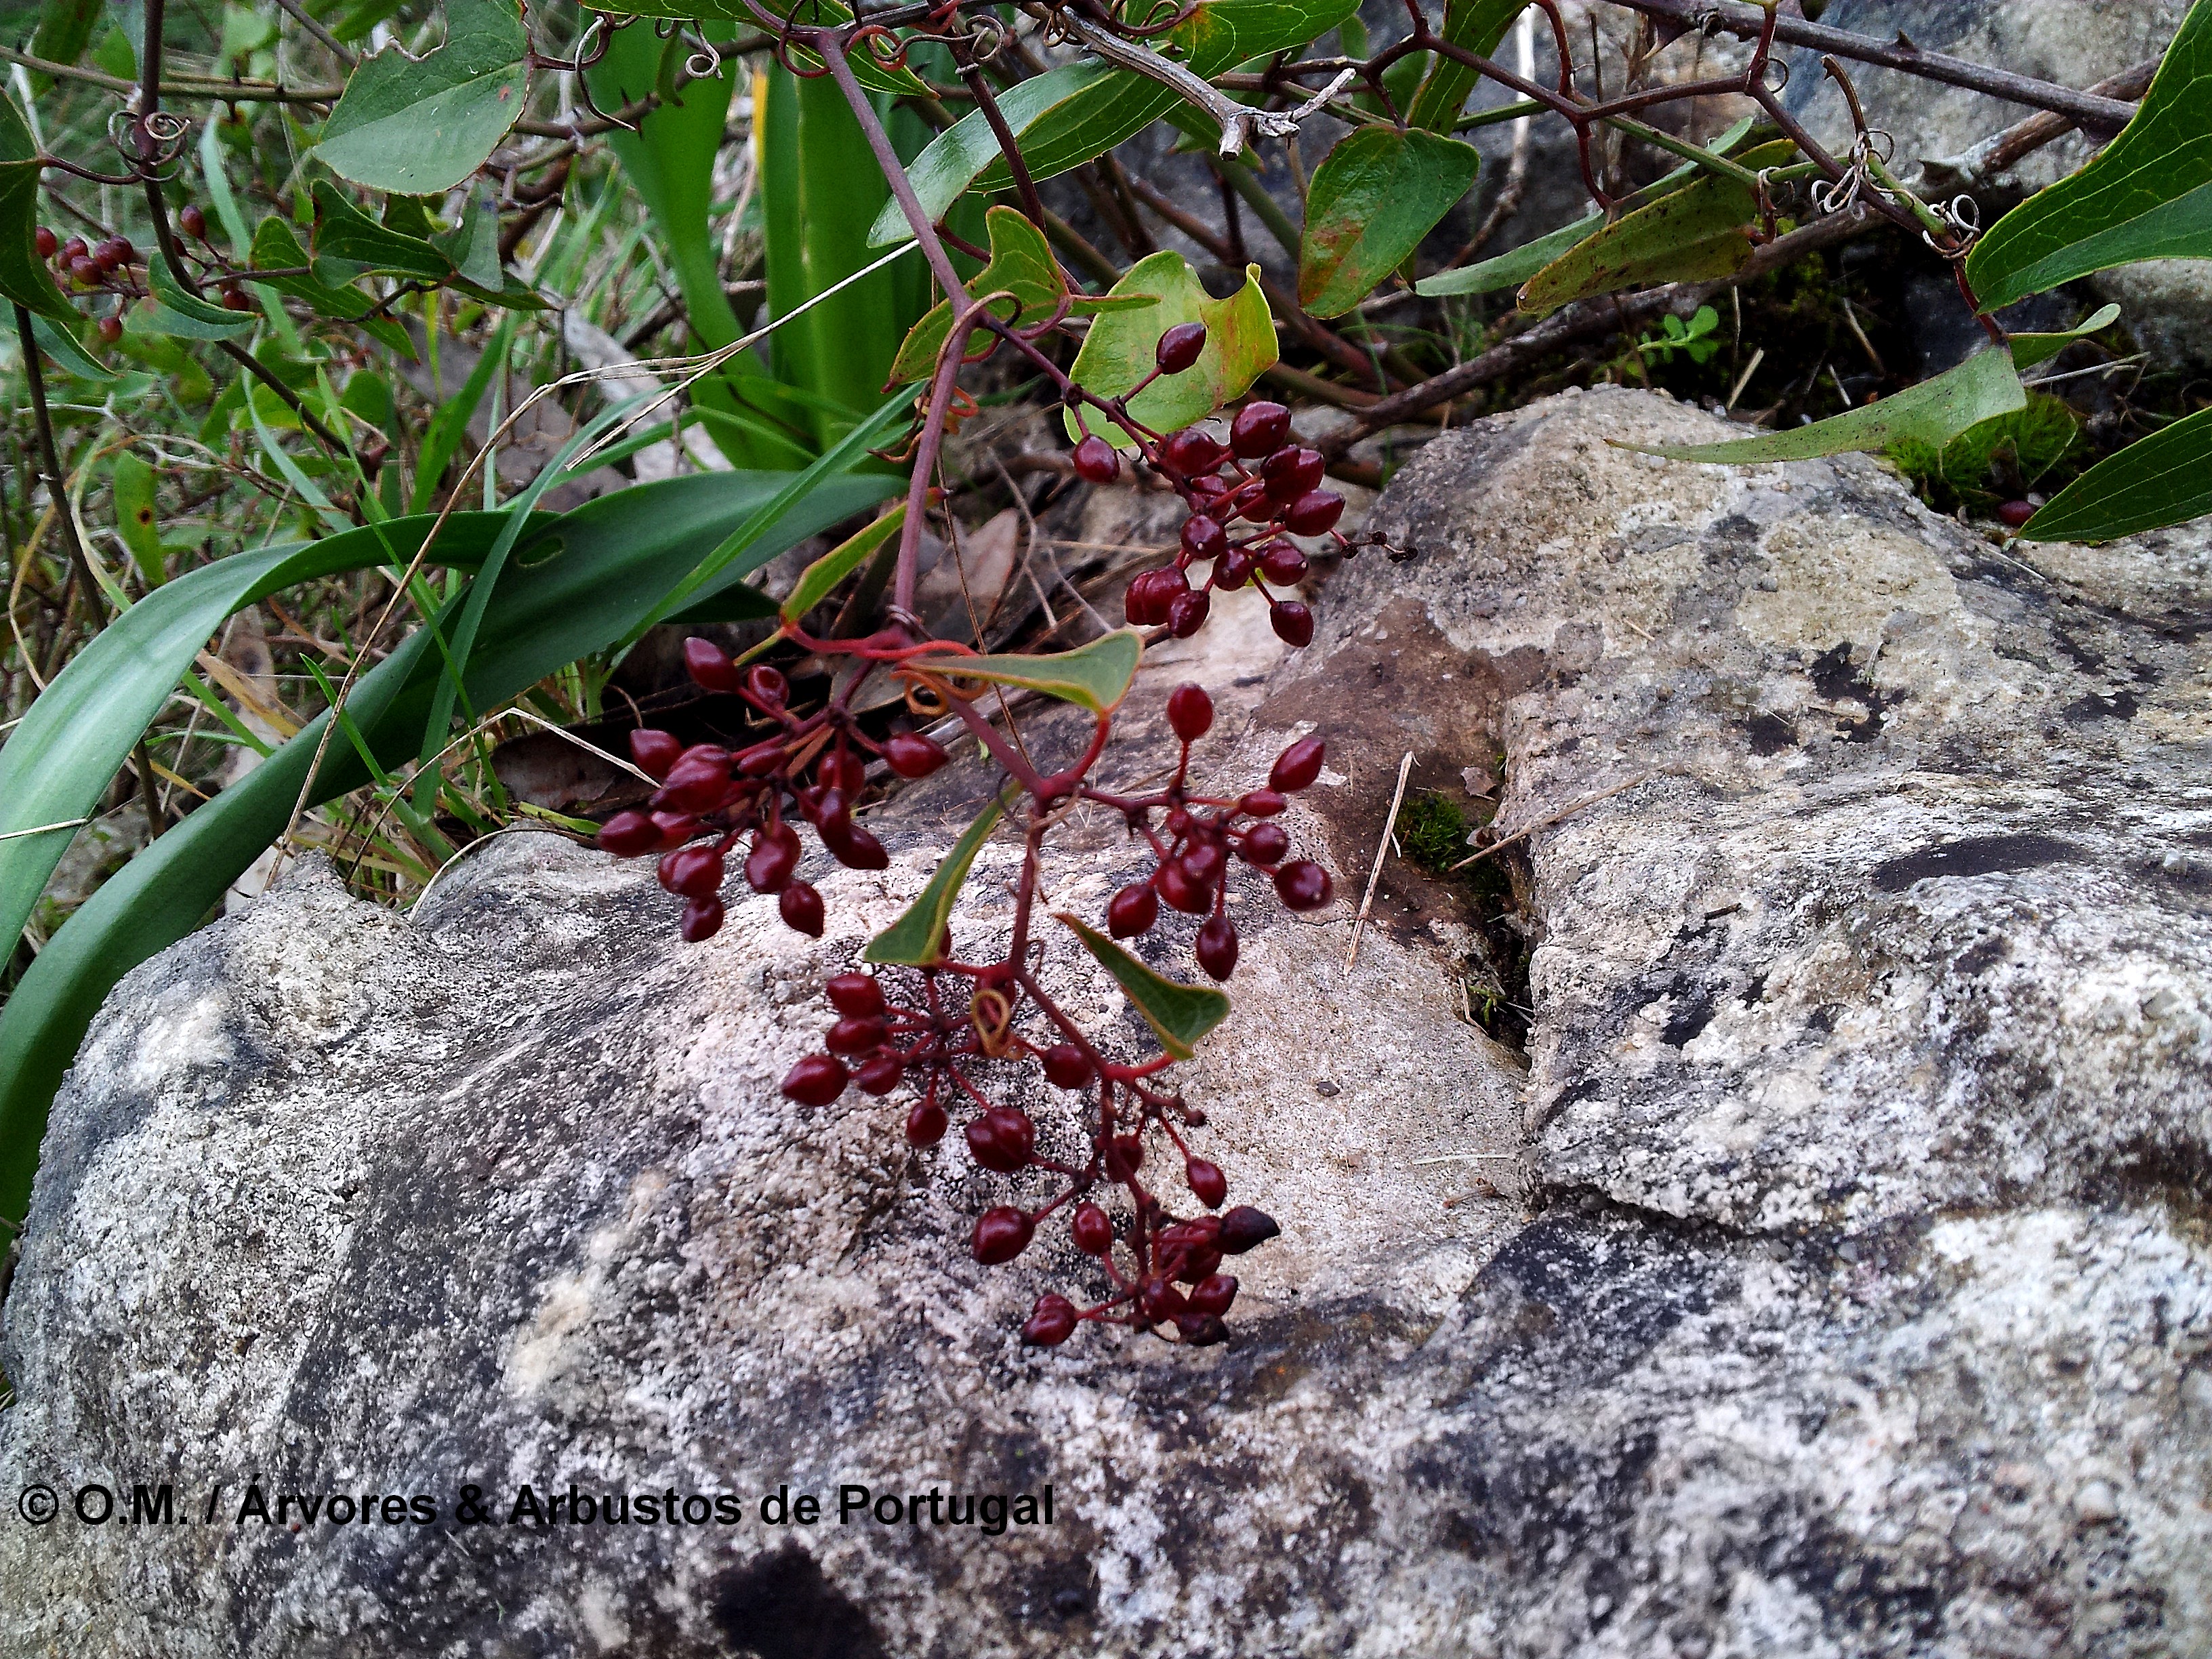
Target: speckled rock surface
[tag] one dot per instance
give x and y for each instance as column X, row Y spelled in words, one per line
column 1853, row 1297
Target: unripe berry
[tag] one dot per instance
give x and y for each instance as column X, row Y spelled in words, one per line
column 1001, row 1138
column 1179, row 347
column 1313, row 514
column 815, row 1081
column 1091, row 1229
column 800, row 906
column 692, row 871
column 1292, row 622
column 1001, row 1234
column 925, row 1124
column 46, row 241
column 857, row 994
column 1296, row 767
column 1303, row 885
column 1264, row 844
column 1244, row 1227
column 1066, row 1066
column 855, row 1034
column 1133, row 911
column 193, row 221
column 701, row 921
column 1187, row 614
column 880, row 1075
column 911, row 754
column 1050, row 1323
column 1217, row 949
column 767, row 684
column 1290, row 473
column 1204, row 539
column 629, row 834
column 1259, row 428
column 1208, row 1184
column 1096, row 461
column 1191, row 453
column 1213, row 1294
column 1282, row 563
column 1190, row 712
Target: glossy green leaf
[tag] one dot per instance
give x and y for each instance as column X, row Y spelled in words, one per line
column 1933, row 413
column 2163, row 479
column 2148, row 196
column 276, row 247
column 915, row 938
column 1119, row 351
column 1371, row 201
column 132, row 489
column 580, row 583
column 421, row 126
column 1690, row 235
column 1179, row 1014
column 63, row 346
column 1096, row 676
column 820, row 579
column 24, row 277
column 1476, row 26
column 169, row 309
column 2030, row 349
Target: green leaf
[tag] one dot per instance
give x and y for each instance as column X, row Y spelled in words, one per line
column 63, row 346
column 1179, row 1014
column 957, row 156
column 1690, row 235
column 821, row 578
column 1932, row 413
column 2163, row 479
column 2148, row 196
column 1118, row 352
column 421, row 126
column 442, row 438
column 579, row 584
column 133, row 492
column 169, row 309
column 1372, row 200
column 914, row 938
column 24, row 276
column 473, row 244
column 276, row 247
column 65, row 31
column 1476, row 26
column 2030, row 349
column 347, row 236
column 1096, row 676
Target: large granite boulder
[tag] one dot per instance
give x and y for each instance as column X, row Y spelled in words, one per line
column 1850, row 1292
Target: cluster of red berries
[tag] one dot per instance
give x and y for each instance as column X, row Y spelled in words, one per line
column 113, row 265
column 809, row 767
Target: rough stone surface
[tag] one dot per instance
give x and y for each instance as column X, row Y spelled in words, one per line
column 1855, row 1297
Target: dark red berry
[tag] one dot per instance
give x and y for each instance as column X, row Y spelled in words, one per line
column 1282, row 563
column 629, row 834
column 1249, row 501
column 655, row 752
column 2015, row 513
column 1244, row 1227
column 854, row 846
column 107, row 256
column 1259, row 428
column 129, row 253
column 1203, row 539
column 1236, row 568
column 1133, row 911
column 72, row 251
column 1296, row 767
column 1066, row 1066
column 1216, row 949
column 761, row 759
column 1158, row 1299
column 1313, row 514
column 233, row 299
column 1175, row 885
column 1096, row 461
column 1179, row 347
column 1190, row 453
column 693, row 787
column 676, row 828
column 692, row 871
column 1303, row 885
column 1187, row 614
column 1260, row 802
column 1212, row 1294
column 815, row 1081
column 194, row 221
column 111, row 329
column 1264, row 844
column 880, row 1075
column 925, row 1124
column 844, row 771
column 1290, row 473
column 855, row 1034
column 767, row 685
column 1190, row 711
column 1050, row 1323
column 708, row 664
column 1140, row 605
column 800, row 906
column 1001, row 1234
column 857, row 994
column 768, row 866
column 1001, row 1138
column 85, row 270
column 1292, row 622
column 1200, row 1330
column 46, row 241
column 911, row 754
column 1202, row 860
column 1208, row 1184
column 1092, row 1230
column 701, row 921
column 1124, row 1156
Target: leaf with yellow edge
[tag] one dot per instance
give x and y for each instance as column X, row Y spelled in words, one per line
column 1118, row 352
column 1179, row 1014
column 914, row 938
column 1096, row 676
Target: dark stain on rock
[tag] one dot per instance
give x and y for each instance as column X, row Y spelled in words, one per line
column 1838, row 679
column 2121, row 705
column 1770, row 734
column 1976, row 856
column 1693, row 1012
column 1980, row 956
column 781, row 1607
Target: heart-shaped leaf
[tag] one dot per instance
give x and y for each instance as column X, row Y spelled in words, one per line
column 914, row 940
column 2163, row 479
column 1372, row 200
column 1119, row 351
column 420, row 125
column 1096, row 676
column 1179, row 1014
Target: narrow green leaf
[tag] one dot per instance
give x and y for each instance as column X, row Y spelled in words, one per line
column 2030, row 349
column 1372, row 200
column 1119, row 351
column 821, row 578
column 1476, row 26
column 132, row 489
column 1179, row 1014
column 2146, row 195
column 1096, row 676
column 442, row 438
column 24, row 276
column 1933, row 412
column 276, row 247
column 2163, row 479
column 957, row 156
column 62, row 345
column 914, row 940
column 168, row 309
column 421, row 126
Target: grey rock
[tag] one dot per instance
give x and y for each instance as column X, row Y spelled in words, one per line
column 1853, row 1296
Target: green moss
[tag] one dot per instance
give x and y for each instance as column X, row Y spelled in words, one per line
column 1998, row 460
